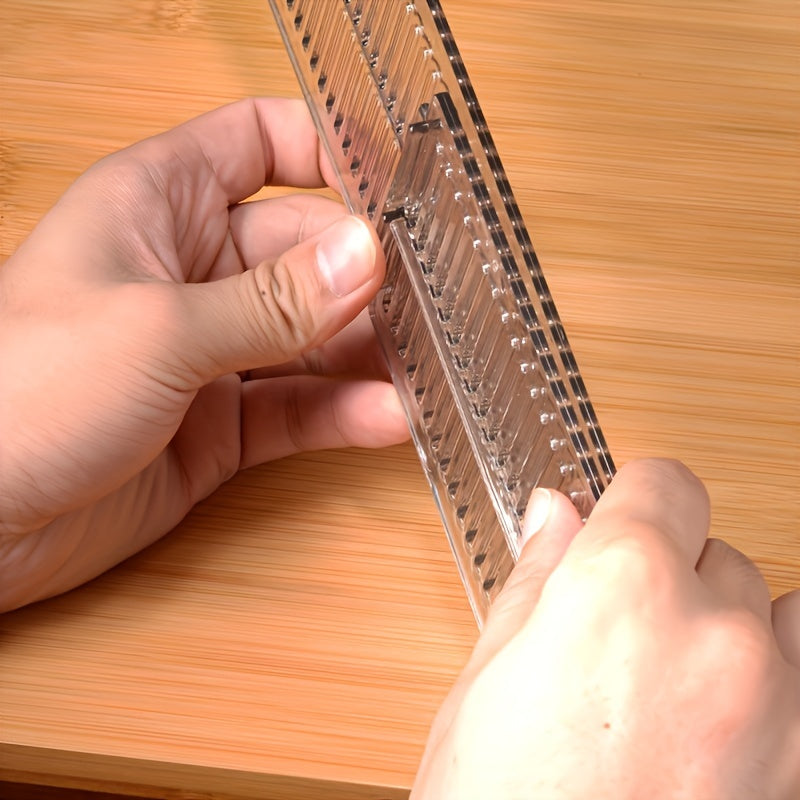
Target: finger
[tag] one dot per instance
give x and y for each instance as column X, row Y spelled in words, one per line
column 786, row 624
column 353, row 352
column 264, row 229
column 311, row 413
column 76, row 546
column 208, row 441
column 273, row 313
column 247, row 145
column 655, row 499
column 203, row 454
column 551, row 523
column 192, row 175
column 734, row 578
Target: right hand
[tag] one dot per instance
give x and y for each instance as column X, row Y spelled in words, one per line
column 628, row 658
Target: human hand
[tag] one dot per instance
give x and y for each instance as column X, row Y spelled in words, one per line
column 127, row 316
column 627, row 658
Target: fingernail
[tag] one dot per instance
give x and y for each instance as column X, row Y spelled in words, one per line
column 346, row 256
column 536, row 513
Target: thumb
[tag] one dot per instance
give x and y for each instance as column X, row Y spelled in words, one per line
column 551, row 523
column 280, row 309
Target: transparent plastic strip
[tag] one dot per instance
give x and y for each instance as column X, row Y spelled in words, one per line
column 491, row 388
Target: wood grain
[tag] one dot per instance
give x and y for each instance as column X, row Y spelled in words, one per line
column 295, row 635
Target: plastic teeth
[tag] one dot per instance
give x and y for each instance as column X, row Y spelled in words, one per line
column 472, row 336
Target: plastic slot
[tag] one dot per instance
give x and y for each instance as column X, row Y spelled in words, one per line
column 474, row 343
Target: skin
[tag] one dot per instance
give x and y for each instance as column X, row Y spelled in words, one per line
column 158, row 334
column 153, row 322
column 631, row 657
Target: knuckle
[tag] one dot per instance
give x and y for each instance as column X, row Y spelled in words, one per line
column 289, row 321
column 718, row 557
column 727, row 556
column 641, row 563
column 666, row 475
column 638, row 558
column 737, row 637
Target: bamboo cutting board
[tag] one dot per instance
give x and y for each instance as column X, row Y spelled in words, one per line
column 295, row 635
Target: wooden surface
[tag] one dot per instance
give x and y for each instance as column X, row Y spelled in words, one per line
column 295, row 635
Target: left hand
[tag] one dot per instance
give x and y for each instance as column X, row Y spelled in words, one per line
column 157, row 335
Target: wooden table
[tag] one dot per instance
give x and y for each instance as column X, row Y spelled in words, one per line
column 294, row 636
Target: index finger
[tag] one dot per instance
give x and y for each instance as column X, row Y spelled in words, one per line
column 658, row 496
column 248, row 144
